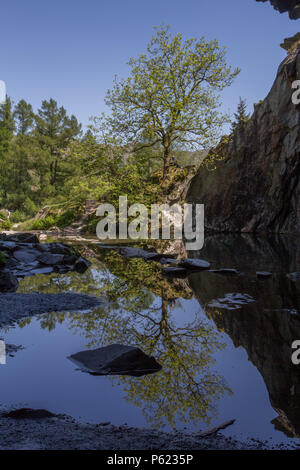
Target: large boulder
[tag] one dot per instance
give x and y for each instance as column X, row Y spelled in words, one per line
column 116, row 359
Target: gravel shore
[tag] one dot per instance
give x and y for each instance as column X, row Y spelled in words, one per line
column 64, row 433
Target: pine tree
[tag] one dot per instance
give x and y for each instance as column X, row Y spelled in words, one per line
column 24, row 117
column 55, row 129
column 240, row 117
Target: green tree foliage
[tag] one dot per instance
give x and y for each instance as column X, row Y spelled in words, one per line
column 240, row 117
column 166, row 110
column 24, row 117
column 32, row 164
column 55, row 130
column 170, row 99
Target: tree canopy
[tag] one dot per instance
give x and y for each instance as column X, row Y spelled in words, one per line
column 170, row 98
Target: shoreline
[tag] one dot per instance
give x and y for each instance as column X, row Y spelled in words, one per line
column 62, row 432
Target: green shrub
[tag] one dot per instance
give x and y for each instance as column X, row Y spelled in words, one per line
column 43, row 224
column 17, row 216
column 66, row 218
column 5, row 224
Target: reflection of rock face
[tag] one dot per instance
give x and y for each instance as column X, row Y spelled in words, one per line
column 292, row 6
column 256, row 187
column 267, row 327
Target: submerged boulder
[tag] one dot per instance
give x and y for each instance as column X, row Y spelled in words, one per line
column 116, row 359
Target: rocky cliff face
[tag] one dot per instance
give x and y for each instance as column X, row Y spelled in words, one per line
column 256, row 186
column 292, row 6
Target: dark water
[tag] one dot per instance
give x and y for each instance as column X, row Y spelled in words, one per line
column 224, row 342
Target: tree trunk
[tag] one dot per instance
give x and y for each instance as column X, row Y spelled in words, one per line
column 167, row 156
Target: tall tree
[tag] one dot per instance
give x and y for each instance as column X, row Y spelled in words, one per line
column 7, row 127
column 55, row 129
column 240, row 117
column 170, row 97
column 24, row 117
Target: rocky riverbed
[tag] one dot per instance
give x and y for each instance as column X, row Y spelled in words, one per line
column 22, row 255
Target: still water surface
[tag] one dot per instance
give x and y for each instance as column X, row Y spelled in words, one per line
column 224, row 342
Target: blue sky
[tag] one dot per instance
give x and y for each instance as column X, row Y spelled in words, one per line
column 71, row 49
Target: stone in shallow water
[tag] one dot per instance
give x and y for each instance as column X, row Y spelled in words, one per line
column 226, row 271
column 175, row 272
column 9, row 246
column 116, row 359
column 168, row 261
column 294, row 276
column 131, row 252
column 26, row 256
column 194, row 264
column 51, row 259
column 45, row 270
column 263, row 274
column 232, row 301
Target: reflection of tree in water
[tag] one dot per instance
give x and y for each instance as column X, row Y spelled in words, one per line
column 140, row 313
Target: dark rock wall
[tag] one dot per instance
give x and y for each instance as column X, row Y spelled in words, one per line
column 256, row 186
column 292, row 6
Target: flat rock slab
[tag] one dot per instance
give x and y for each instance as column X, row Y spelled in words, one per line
column 131, row 252
column 294, row 276
column 263, row 274
column 175, row 272
column 26, row 256
column 50, row 258
column 226, row 271
column 168, row 261
column 16, row 306
column 116, row 359
column 194, row 264
column 7, row 245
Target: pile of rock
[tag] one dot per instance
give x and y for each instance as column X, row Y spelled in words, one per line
column 25, row 256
